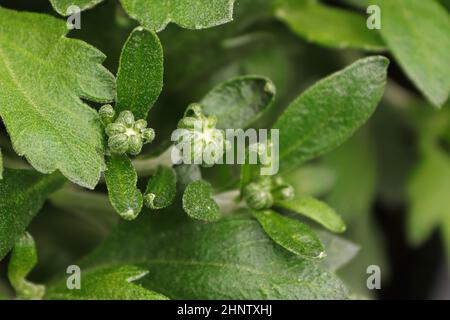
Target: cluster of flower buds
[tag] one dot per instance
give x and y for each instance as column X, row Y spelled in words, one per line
column 125, row 134
column 197, row 138
column 265, row 192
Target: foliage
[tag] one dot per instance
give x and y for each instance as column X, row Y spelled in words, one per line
column 199, row 230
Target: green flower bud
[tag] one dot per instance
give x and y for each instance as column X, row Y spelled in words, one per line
column 205, row 143
column 135, row 144
column 107, row 114
column 127, row 135
column 115, row 128
column 189, row 123
column 118, row 143
column 285, row 192
column 281, row 190
column 258, row 197
column 211, row 121
column 126, row 118
column 148, row 135
column 140, row 125
column 194, row 109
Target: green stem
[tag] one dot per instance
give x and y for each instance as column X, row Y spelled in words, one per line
column 146, row 167
column 229, row 201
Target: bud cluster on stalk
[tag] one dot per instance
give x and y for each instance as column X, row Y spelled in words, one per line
column 198, row 137
column 125, row 135
column 266, row 191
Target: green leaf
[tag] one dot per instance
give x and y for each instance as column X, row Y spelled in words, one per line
column 121, row 179
column 61, row 5
column 161, row 188
column 23, row 259
column 198, row 202
column 416, row 32
column 428, row 195
column 229, row 259
column 140, row 75
column 291, row 234
column 43, row 75
column 315, row 210
column 239, row 102
column 199, row 14
column 114, row 283
column 329, row 112
column 339, row 250
column 22, row 194
column 355, row 167
column 328, row 26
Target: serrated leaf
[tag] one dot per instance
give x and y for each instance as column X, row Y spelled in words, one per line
column 43, row 75
column 121, row 179
column 198, row 202
column 239, row 102
column 61, row 5
column 330, row 111
column 140, row 75
column 114, row 283
column 229, row 259
column 416, row 32
column 316, row 210
column 199, row 14
column 22, row 194
column 22, row 261
column 291, row 234
column 339, row 251
column 161, row 188
column 328, row 26
column 428, row 191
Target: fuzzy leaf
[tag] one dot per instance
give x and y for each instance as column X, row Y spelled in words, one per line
column 121, row 179
column 43, row 75
column 161, row 188
column 330, row 111
column 61, row 5
column 316, row 210
column 417, row 33
column 140, row 75
column 23, row 259
column 114, row 283
column 22, row 194
column 199, row 14
column 239, row 102
column 343, row 28
column 198, row 202
column 229, row 259
column 291, row 234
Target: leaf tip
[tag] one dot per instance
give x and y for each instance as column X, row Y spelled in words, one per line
column 129, row 215
column 149, row 200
